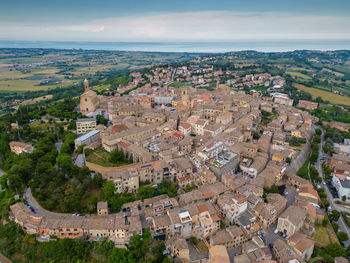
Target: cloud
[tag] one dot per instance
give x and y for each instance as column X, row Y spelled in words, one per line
column 204, row 26
column 85, row 28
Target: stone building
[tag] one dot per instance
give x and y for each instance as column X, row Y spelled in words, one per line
column 89, row 101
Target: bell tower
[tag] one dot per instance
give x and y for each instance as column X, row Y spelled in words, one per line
column 86, row 85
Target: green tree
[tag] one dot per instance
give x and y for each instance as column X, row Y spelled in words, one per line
column 328, row 258
column 117, row 157
column 313, row 172
column 80, row 148
column 342, row 236
column 108, row 189
column 101, row 120
column 335, row 250
column 325, row 222
column 335, row 226
column 314, row 156
column 64, row 160
column 334, row 216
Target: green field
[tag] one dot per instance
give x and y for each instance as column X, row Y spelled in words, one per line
column 324, row 235
column 298, row 75
column 101, row 87
column 177, row 85
column 338, row 74
column 101, row 157
column 325, row 95
column 26, row 85
column 300, row 69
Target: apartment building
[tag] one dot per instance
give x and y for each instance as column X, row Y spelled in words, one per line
column 85, row 125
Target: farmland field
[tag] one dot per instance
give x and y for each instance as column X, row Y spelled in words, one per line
column 338, row 74
column 26, row 85
column 298, row 74
column 325, row 95
column 300, row 69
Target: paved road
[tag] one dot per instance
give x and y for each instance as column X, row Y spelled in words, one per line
column 172, row 76
column 38, row 209
column 342, row 225
column 292, row 193
column 4, row 259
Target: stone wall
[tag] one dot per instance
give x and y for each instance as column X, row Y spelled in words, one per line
column 108, row 170
column 300, row 160
column 304, row 153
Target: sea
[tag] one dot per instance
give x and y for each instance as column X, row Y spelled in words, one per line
column 190, row 47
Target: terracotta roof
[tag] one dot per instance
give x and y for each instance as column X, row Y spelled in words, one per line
column 208, row 193
column 123, row 144
column 185, row 126
column 119, row 128
column 184, row 178
column 240, row 198
column 177, row 134
column 202, row 208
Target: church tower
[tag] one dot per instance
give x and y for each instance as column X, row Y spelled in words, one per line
column 89, row 101
column 185, row 98
column 86, row 85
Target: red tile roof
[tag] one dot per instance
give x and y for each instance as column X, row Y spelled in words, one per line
column 202, row 208
column 208, row 194
column 118, row 128
column 177, row 134
column 123, row 144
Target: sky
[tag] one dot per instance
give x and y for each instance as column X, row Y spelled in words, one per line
column 174, row 21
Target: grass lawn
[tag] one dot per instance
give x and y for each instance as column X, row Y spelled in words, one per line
column 325, row 95
column 325, row 235
column 101, row 157
column 177, row 85
column 202, row 248
column 332, row 235
column 321, row 235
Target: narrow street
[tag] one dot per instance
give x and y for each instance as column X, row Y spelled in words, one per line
column 38, row 209
column 342, row 225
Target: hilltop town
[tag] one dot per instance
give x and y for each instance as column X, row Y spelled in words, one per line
column 221, row 161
